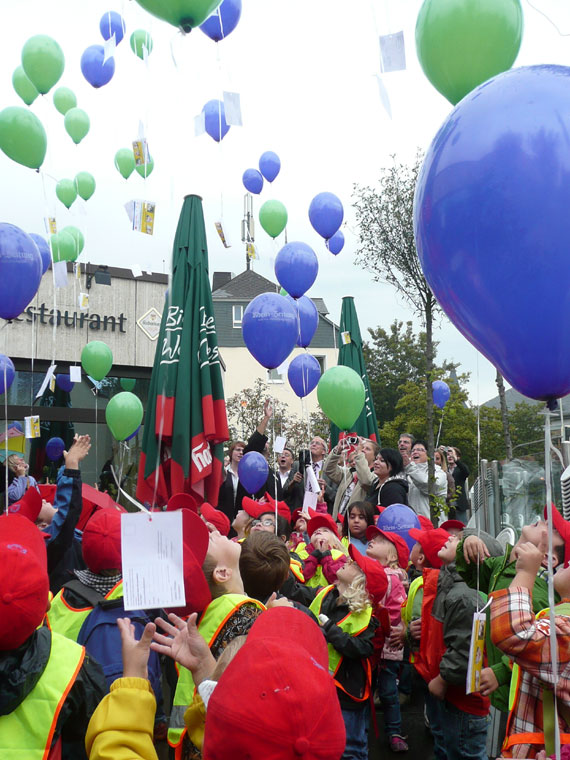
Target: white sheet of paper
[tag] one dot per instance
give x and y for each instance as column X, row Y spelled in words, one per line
column 311, row 482
column 279, row 444
column 137, row 271
column 60, row 273
column 75, row 374
column 199, row 124
column 130, row 209
column 45, row 382
column 309, row 500
column 153, row 573
column 392, row 52
column 232, row 109
column 83, row 301
column 109, row 48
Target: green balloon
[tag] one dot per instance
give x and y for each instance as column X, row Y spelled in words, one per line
column 66, row 191
column 63, row 247
column 43, row 61
column 283, row 292
column 341, row 396
column 273, row 217
column 124, row 414
column 140, row 40
column 64, row 100
column 145, row 170
column 125, row 162
column 96, row 359
column 462, row 43
column 22, row 137
column 77, row 236
column 184, row 14
column 128, row 383
column 85, row 184
column 76, row 124
column 23, row 86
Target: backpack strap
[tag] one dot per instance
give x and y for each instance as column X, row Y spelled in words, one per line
column 85, row 592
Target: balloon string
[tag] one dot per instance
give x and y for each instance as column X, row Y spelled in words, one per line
column 32, row 361
column 275, row 470
column 6, row 439
column 439, row 431
column 96, row 431
column 478, row 411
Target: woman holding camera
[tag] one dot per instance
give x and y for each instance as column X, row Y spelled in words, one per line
column 355, row 479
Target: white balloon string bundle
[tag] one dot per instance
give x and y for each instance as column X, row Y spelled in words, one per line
column 439, row 431
column 33, row 353
column 275, row 469
column 5, row 441
column 96, row 432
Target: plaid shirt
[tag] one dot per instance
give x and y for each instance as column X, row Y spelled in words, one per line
column 515, row 631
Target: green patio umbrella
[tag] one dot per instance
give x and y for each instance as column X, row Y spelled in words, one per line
column 186, row 422
column 350, row 355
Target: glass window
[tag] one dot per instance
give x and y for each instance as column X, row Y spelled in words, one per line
column 322, row 360
column 274, row 376
column 237, row 314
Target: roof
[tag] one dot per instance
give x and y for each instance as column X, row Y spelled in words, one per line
column 249, row 284
column 513, row 397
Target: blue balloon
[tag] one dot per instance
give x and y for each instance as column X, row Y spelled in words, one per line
column 44, row 249
column 269, row 328
column 132, row 435
column 397, row 518
column 296, row 268
column 326, row 214
column 441, row 393
column 6, row 368
column 308, row 319
column 492, row 224
column 64, row 383
column 253, row 471
column 269, row 165
column 252, row 181
column 304, row 374
column 112, row 24
column 335, row 244
column 93, row 69
column 54, row 449
column 223, row 21
column 215, row 120
column 20, row 270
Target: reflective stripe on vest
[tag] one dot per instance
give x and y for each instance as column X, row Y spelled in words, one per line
column 297, row 570
column 408, row 606
column 353, row 624
column 27, row 732
column 67, row 620
column 215, row 616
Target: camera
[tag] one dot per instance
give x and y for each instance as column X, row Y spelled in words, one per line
column 304, row 460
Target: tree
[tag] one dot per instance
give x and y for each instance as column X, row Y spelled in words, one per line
column 527, row 426
column 387, row 249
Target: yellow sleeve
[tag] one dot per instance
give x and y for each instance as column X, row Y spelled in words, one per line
column 195, row 719
column 121, row 728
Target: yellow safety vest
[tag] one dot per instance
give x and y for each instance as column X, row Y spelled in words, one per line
column 67, row 620
column 353, row 624
column 215, row 616
column 318, row 578
column 297, row 569
column 27, row 732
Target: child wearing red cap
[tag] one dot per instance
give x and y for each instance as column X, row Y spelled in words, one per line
column 359, row 516
column 324, row 555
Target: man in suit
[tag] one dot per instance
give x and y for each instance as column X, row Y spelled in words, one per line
column 291, row 480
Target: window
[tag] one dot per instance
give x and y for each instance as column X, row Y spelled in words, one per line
column 237, row 315
column 322, row 360
column 274, row 376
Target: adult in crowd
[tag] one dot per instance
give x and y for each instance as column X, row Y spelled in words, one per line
column 328, row 488
column 460, row 473
column 391, row 486
column 405, row 443
column 18, row 478
column 291, row 479
column 440, row 458
column 355, row 479
column 418, row 479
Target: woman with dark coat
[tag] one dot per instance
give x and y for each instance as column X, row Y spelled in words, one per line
column 391, row 486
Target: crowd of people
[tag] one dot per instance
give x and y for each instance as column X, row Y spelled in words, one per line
column 300, row 613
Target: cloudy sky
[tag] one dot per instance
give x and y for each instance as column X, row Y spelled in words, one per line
column 306, row 73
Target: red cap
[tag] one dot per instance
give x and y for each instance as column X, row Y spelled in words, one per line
column 102, row 541
column 47, row 491
column 282, row 508
column 257, row 508
column 322, row 521
column 195, row 540
column 28, row 506
column 216, row 517
column 182, row 501
column 563, row 527
column 276, row 698
column 24, row 584
column 457, row 524
column 401, row 546
column 297, row 514
column 93, row 500
column 431, row 542
column 376, row 578
column 425, row 522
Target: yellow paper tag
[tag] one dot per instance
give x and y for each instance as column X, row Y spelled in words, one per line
column 52, row 224
column 147, row 218
column 140, row 152
column 476, row 650
column 52, row 384
column 251, row 252
column 32, row 426
column 345, row 338
column 220, row 232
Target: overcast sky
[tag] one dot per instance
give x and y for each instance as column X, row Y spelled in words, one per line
column 306, row 72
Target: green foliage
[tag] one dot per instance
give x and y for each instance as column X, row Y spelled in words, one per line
column 527, row 426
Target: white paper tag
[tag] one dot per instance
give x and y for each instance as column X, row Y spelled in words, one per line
column 32, row 426
column 83, row 301
column 392, row 52
column 345, row 338
column 310, row 500
column 46, row 381
column 60, row 274
column 311, row 482
column 279, row 444
column 109, row 48
column 232, row 109
column 476, row 649
column 75, row 374
column 153, row 574
column 199, row 124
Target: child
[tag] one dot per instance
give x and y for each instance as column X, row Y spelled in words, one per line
column 517, row 632
column 299, row 534
column 344, row 611
column 324, row 555
column 263, row 565
column 360, row 515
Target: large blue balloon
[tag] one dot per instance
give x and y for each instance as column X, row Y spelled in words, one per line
column 492, row 225
column 93, row 69
column 269, row 327
column 304, row 374
column 6, row 367
column 215, row 120
column 269, row 165
column 296, row 268
column 253, row 471
column 441, row 393
column 64, row 383
column 20, row 270
column 335, row 244
column 54, row 449
column 44, row 249
column 112, row 24
column 308, row 319
column 397, row 518
column 326, row 214
column 223, row 21
column 252, row 181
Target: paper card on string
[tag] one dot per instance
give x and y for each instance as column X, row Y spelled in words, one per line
column 153, row 574
column 77, row 269
column 232, row 109
column 83, row 301
column 345, row 338
column 46, row 381
column 199, row 124
column 220, row 231
column 251, row 251
column 32, row 426
column 311, row 482
column 476, row 650
column 140, row 151
column 137, row 271
column 310, row 500
column 51, row 225
column 60, row 274
column 109, row 48
column 52, row 384
column 143, row 216
column 392, row 52
column 279, row 444
column 75, row 374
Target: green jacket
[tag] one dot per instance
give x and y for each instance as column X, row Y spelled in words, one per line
column 496, row 573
